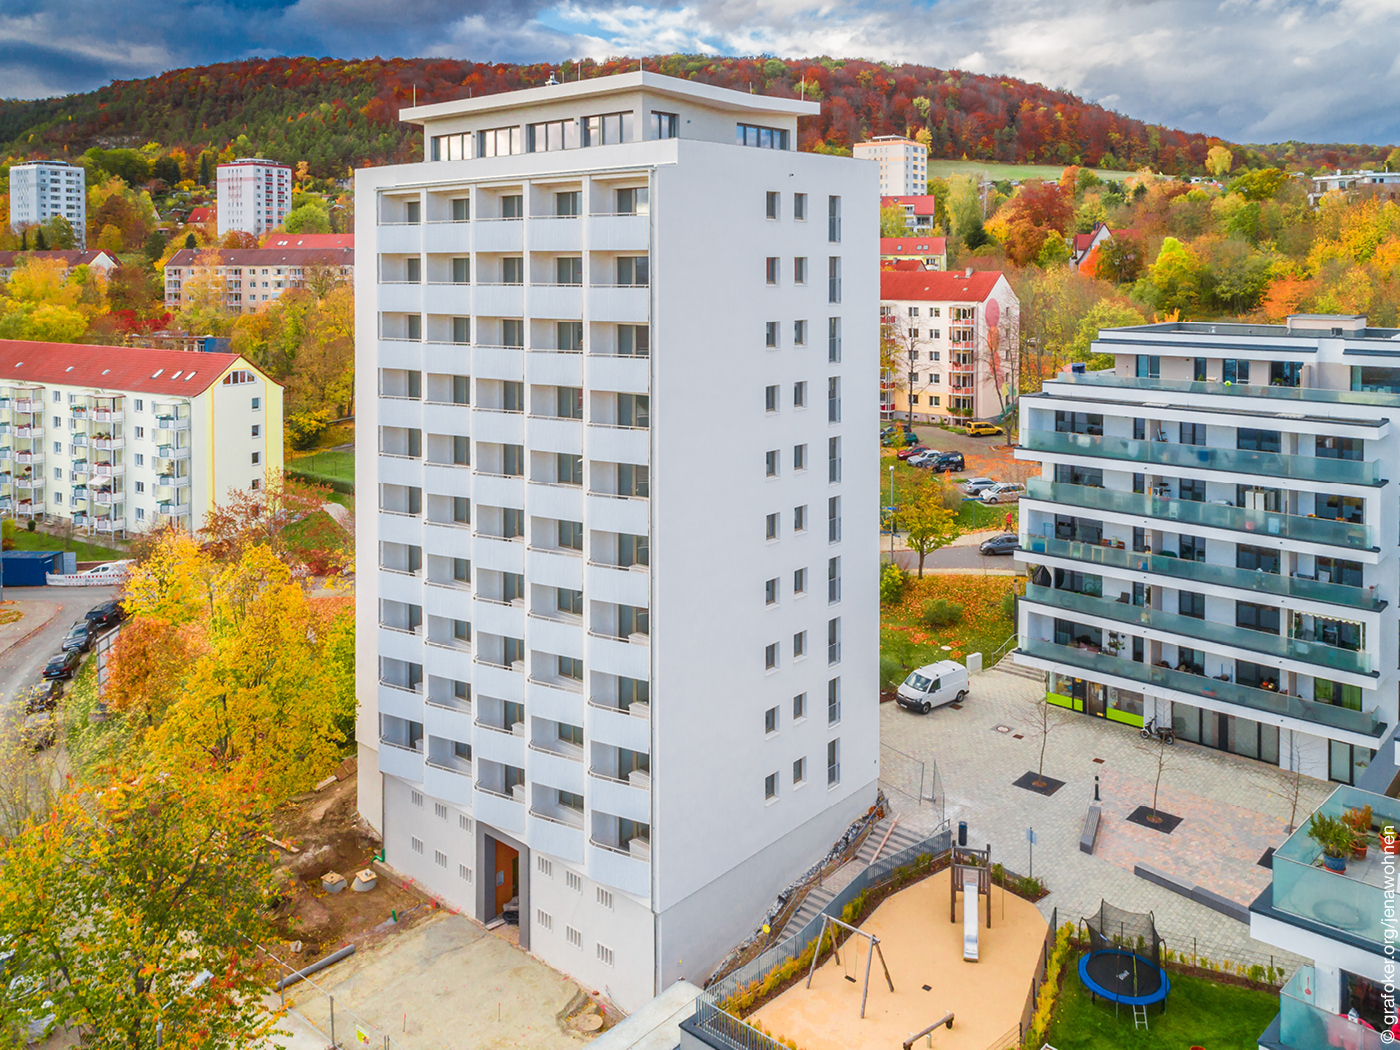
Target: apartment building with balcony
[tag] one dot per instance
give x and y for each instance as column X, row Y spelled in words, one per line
column 119, row 440
column 253, row 196
column 42, row 189
column 249, row 279
column 617, row 634
column 1339, row 920
column 903, row 164
column 1213, row 537
column 951, row 341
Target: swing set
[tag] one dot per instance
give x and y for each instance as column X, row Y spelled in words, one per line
column 850, row 967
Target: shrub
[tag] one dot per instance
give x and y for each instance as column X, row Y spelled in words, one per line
column 892, row 673
column 893, row 581
column 942, row 613
column 1008, row 604
column 32, row 525
column 303, row 428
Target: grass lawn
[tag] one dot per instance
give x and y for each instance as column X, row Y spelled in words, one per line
column 907, row 642
column 941, row 169
column 314, row 532
column 973, row 515
column 41, row 541
column 328, row 464
column 1199, row 1013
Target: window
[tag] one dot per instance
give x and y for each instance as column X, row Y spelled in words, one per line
column 569, row 469
column 499, row 142
column 799, row 581
column 605, row 955
column 568, row 204
column 833, row 276
column 833, row 460
column 1234, row 371
column 833, row 762
column 770, row 786
column 513, row 270
column 571, row 667
column 461, row 510
column 462, row 270
column 1191, row 433
column 567, row 600
column 633, row 480
column 257, row 430
column 799, row 395
column 574, row 936
column 763, row 138
column 1189, row 603
column 770, row 398
column 633, row 340
column 799, row 333
column 664, row 125
column 799, row 518
column 772, row 204
column 799, row 706
column 799, row 457
column 461, row 208
column 551, row 135
column 770, row 337
column 607, row 129
column 604, row 897
column 833, row 340
column 771, row 269
column 770, row 591
column 568, row 402
column 799, row 772
column 771, row 527
column 833, row 519
column 1259, row 440
column 633, row 200
column 770, row 720
column 799, row 645
column 833, row 219
column 461, row 389
column 632, row 271
column 257, row 458
column 573, row 880
column 771, row 463
column 568, row 270
column 416, row 843
column 571, row 535
column 833, row 641
column 799, row 270
column 1149, row 367
column 833, row 580
column 799, row 207
column 770, row 656
column 140, row 485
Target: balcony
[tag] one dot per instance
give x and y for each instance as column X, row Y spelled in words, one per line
column 1303, row 1025
column 1294, row 527
column 1295, row 587
column 106, row 497
column 497, row 808
column 108, row 415
column 1191, row 458
column 556, row 836
column 28, row 481
column 29, row 431
column 1231, row 637
column 627, row 869
column 28, row 404
column 629, row 798
column 110, row 524
column 400, row 761
column 108, row 470
column 172, row 452
column 452, row 783
column 29, row 456
column 109, row 443
column 1237, row 390
column 172, row 422
column 1363, row 722
column 171, row 508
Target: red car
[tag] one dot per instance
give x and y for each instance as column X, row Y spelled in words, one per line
column 912, row 450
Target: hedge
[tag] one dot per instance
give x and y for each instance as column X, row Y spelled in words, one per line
column 335, row 484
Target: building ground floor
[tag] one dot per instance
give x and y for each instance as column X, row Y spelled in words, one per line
column 1311, row 754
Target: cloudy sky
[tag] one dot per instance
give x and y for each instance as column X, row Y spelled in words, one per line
column 1248, row 70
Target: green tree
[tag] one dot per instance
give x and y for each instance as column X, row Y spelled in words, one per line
column 1120, row 260
column 190, row 242
column 311, row 219
column 58, row 231
column 1262, row 185
column 1174, row 282
column 892, row 222
column 929, row 522
column 1219, row 160
column 965, row 210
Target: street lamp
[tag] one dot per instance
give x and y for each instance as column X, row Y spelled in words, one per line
column 891, row 513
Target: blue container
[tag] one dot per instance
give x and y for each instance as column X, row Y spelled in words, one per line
column 30, row 568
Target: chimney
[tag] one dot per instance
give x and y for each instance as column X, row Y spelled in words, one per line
column 969, row 272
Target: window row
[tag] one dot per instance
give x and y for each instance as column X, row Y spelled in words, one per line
column 799, row 772
column 772, row 460
column 772, row 652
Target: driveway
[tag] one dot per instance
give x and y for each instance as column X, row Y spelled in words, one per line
column 23, row 660
column 957, row 559
column 1233, row 809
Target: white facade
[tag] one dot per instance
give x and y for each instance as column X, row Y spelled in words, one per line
column 1215, row 537
column 903, row 164
column 41, row 189
column 254, row 195
column 619, row 473
column 131, row 448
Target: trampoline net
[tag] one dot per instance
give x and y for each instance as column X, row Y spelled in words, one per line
column 1132, row 930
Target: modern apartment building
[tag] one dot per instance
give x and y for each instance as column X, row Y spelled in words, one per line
column 951, row 342
column 248, row 279
column 617, row 636
column 1213, row 537
column 41, row 189
column 123, row 439
column 903, row 164
column 254, row 195
column 1339, row 920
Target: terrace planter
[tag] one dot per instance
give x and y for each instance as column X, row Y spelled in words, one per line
column 1336, row 864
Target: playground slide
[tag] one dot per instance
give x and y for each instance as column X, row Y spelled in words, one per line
column 970, row 910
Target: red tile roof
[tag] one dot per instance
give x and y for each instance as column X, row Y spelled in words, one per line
column 924, row 204
column 202, row 215
column 310, row 240
column 913, row 245
column 72, row 257
column 1081, row 242
column 938, row 285
column 113, row 367
column 268, row 256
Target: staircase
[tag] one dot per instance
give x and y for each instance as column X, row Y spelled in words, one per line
column 821, row 895
column 1010, row 666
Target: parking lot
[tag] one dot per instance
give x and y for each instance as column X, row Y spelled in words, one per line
column 25, row 647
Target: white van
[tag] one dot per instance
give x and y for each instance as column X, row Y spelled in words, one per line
column 933, row 685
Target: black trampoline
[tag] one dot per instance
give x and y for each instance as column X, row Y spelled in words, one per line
column 1124, row 961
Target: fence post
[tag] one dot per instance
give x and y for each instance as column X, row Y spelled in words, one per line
column 332, row 999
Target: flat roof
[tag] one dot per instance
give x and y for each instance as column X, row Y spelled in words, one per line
column 1274, row 331
column 655, row 83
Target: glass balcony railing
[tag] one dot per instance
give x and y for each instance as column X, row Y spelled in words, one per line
column 1275, row 645
column 1202, row 572
column 1204, row 457
column 1242, row 390
column 1200, row 685
column 1353, row 900
column 1303, row 1025
column 1212, row 515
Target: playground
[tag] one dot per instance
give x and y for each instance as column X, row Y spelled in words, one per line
column 927, row 960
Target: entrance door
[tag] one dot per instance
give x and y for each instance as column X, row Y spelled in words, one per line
column 507, row 876
column 1094, row 699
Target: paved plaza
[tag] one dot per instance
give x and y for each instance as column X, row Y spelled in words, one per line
column 1233, row 809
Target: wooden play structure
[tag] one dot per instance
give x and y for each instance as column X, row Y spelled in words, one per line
column 972, row 873
column 827, row 924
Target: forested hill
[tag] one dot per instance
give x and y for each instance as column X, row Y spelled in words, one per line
column 338, row 114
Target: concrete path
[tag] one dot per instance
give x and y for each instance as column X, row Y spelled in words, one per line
column 1233, row 808
column 34, row 616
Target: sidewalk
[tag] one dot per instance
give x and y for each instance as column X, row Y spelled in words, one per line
column 34, row 617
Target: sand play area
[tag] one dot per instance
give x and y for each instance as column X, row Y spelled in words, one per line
column 921, row 948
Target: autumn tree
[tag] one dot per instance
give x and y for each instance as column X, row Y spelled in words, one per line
column 250, row 517
column 1030, row 217
column 892, row 222
column 1120, row 259
column 1174, row 281
column 1219, row 160
column 929, row 522
column 45, row 300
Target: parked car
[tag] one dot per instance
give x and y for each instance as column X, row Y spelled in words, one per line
column 39, row 730
column 983, row 429
column 948, row 462
column 42, row 696
column 896, row 428
column 974, row 487
column 114, row 571
column 933, row 685
column 79, row 637
column 108, row 614
column 1002, row 492
column 924, row 458
column 63, row 665
column 912, row 450
column 1004, row 543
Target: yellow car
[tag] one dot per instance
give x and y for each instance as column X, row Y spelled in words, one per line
column 983, row 429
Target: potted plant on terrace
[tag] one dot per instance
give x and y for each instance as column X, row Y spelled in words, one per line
column 1335, row 837
column 1358, row 818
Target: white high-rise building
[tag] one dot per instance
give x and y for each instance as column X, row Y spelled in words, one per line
column 903, row 164
column 254, row 195
column 41, row 189
column 617, row 640
column 1213, row 537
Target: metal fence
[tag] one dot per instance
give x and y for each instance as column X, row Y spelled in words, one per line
column 728, row 1030
column 316, row 1007
column 793, row 946
column 914, row 778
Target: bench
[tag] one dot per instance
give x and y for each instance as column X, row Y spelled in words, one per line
column 1091, row 830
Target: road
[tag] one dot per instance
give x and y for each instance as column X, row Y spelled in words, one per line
column 21, row 665
column 964, row 558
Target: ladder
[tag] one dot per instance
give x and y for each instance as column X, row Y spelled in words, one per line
column 1139, row 1016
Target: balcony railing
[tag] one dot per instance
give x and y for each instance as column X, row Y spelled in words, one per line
column 1275, row 645
column 1203, row 572
column 1241, row 390
column 1211, row 515
column 1203, row 457
column 1364, row 722
column 1305, row 1026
